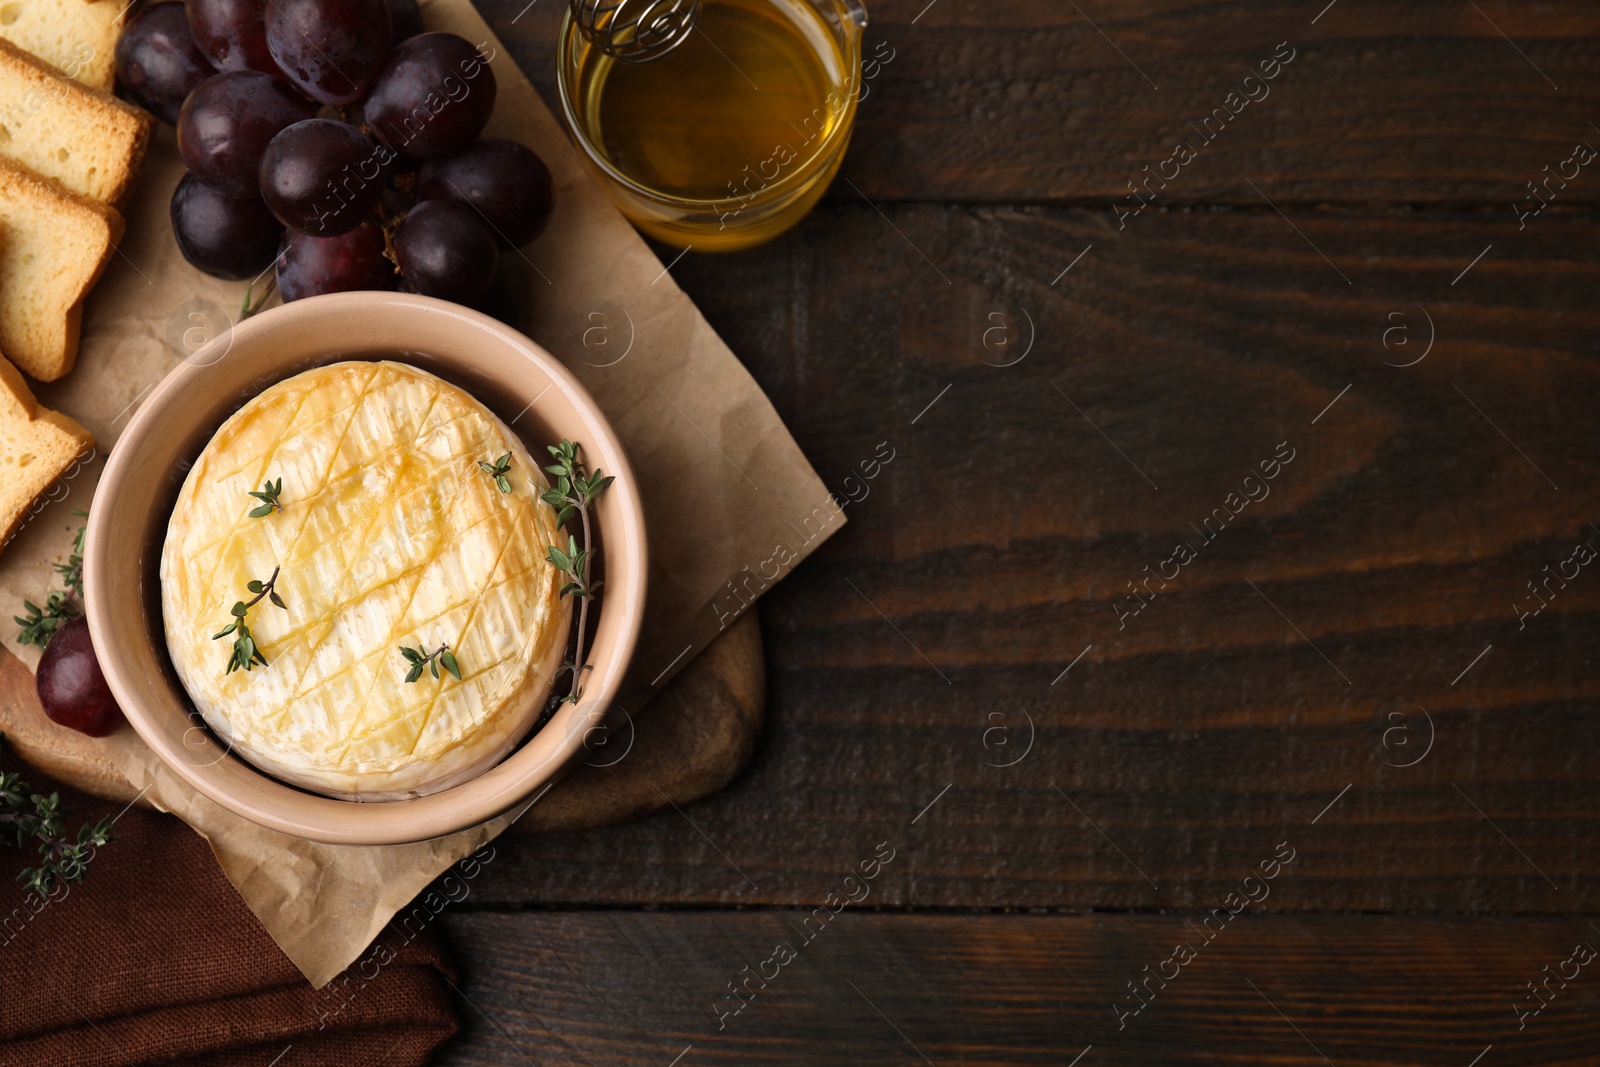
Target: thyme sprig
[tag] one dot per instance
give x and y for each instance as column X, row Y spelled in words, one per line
column 40, row 818
column 72, row 570
column 498, row 471
column 268, row 495
column 39, row 625
column 422, row 660
column 573, row 494
column 248, row 308
column 244, row 654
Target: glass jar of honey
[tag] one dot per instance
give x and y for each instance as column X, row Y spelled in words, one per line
column 729, row 138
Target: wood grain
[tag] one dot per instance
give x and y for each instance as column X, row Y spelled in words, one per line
column 980, row 990
column 696, row 734
column 1341, row 668
column 1025, row 100
column 1271, row 674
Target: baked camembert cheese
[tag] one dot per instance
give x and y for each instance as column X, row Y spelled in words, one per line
column 386, row 533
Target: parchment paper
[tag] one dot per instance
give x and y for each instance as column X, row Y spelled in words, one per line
column 731, row 504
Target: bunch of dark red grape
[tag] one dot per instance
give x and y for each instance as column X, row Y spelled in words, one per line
column 338, row 140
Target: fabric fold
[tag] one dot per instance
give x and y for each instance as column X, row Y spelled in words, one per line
column 156, row 959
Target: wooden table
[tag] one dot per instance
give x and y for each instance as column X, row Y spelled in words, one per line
column 1075, row 739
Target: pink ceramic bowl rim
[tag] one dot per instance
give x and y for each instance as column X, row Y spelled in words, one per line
column 127, row 525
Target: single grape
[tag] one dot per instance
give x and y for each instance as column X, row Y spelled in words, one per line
column 433, row 96
column 446, row 250
column 226, row 123
column 322, row 177
column 227, row 237
column 405, row 18
column 330, row 49
column 505, row 181
column 158, row 63
column 311, row 266
column 232, row 33
column 72, row 688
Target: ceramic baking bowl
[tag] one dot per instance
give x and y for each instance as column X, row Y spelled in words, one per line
column 519, row 381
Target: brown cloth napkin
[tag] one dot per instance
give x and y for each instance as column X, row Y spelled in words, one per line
column 155, row 959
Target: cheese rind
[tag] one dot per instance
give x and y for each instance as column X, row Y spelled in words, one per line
column 390, row 535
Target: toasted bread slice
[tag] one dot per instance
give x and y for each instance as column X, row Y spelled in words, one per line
column 89, row 141
column 36, row 446
column 78, row 38
column 53, row 247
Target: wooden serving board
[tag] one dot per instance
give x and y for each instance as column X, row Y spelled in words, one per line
column 689, row 742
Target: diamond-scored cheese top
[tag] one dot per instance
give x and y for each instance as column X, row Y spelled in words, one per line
column 389, row 534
